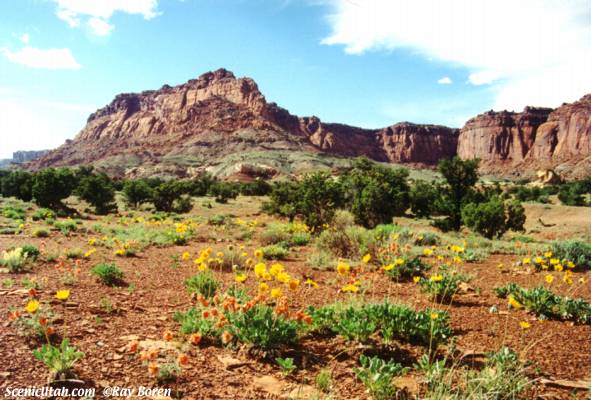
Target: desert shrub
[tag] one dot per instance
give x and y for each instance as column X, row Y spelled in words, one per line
column 74, row 253
column 109, row 274
column 545, row 304
column 406, row 268
column 427, row 239
column 218, row 220
column 259, row 187
column 165, row 195
column 59, row 360
column 51, row 186
column 183, row 204
column 261, row 327
column 17, row 184
column 98, row 191
column 31, row 251
column 424, row 197
column 203, row 283
column 443, row 286
column 137, row 192
column 15, row 260
column 41, row 233
column 314, row 199
column 224, row 191
column 576, row 251
column 572, row 194
column 377, row 376
column 392, row 321
column 493, row 218
column 66, row 226
column 13, row 212
column 275, row 252
column 43, row 214
column 460, row 176
column 376, row 193
column 275, row 233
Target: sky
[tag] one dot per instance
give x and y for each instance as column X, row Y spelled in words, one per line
column 369, row 63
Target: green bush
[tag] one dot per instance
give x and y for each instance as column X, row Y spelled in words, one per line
column 314, row 199
column 203, row 283
column 576, row 251
column 137, row 192
column 377, row 375
column 109, row 274
column 167, row 195
column 261, row 327
column 460, row 176
column 443, row 286
column 66, row 226
column 31, row 251
column 224, row 191
column 377, row 194
column 43, row 214
column 17, row 184
column 275, row 252
column 41, row 233
column 59, row 360
column 406, row 268
column 98, row 190
column 51, row 186
column 424, row 197
column 493, row 218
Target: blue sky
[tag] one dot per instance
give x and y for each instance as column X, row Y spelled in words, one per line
column 368, row 63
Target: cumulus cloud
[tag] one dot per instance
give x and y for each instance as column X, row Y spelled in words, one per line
column 534, row 52
column 42, row 58
column 98, row 12
column 99, row 26
column 446, row 80
column 25, row 38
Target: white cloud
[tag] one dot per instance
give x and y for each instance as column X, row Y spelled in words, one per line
column 446, row 80
column 25, row 38
column 35, row 124
column 99, row 26
column 534, row 52
column 98, row 12
column 483, row 77
column 42, row 58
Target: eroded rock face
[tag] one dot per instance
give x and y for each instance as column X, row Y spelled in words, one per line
column 537, row 138
column 218, row 115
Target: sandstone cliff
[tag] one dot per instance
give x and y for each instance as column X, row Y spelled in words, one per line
column 189, row 128
column 537, row 138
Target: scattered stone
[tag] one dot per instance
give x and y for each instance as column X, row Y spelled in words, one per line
column 268, row 384
column 230, row 362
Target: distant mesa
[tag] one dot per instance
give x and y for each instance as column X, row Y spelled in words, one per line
column 224, row 125
column 21, row 157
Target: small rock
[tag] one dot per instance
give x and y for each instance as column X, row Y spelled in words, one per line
column 268, row 384
column 230, row 362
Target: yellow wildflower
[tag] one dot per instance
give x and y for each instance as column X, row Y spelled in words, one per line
column 258, row 253
column 32, row 306
column 514, row 303
column 434, row 315
column 350, row 288
column 416, row 279
column 263, row 288
column 186, row 255
column 436, row 278
column 240, row 277
column 343, row 268
column 366, row 258
column 62, row 294
column 311, row 283
column 294, row 284
column 524, row 325
column 388, row 267
column 276, row 293
column 549, row 278
column 427, row 252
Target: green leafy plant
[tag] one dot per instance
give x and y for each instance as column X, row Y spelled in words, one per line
column 109, row 274
column 545, row 304
column 286, row 364
column 203, row 283
column 41, row 233
column 66, row 226
column 576, row 251
column 59, row 360
column 324, row 380
column 377, row 375
column 275, row 252
column 443, row 286
column 406, row 268
column 262, row 327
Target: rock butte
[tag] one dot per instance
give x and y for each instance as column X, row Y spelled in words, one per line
column 186, row 129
